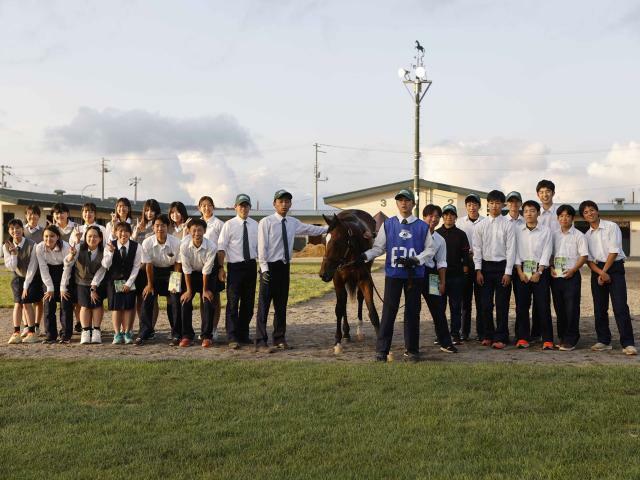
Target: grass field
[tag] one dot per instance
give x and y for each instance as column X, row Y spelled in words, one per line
column 305, row 285
column 233, row 419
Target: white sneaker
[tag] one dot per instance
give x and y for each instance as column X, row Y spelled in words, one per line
column 25, row 331
column 96, row 336
column 630, row 350
column 601, row 347
column 85, row 337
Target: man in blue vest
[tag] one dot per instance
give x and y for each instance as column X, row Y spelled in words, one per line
column 408, row 245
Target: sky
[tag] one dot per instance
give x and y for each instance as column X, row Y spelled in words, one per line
column 217, row 98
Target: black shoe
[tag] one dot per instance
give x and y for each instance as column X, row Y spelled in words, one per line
column 174, row 342
column 449, row 349
column 381, row 358
column 64, row 340
column 77, row 328
column 411, row 356
column 152, row 335
column 436, row 342
column 283, row 346
column 464, row 338
column 262, row 347
column 139, row 341
column 50, row 341
column 457, row 340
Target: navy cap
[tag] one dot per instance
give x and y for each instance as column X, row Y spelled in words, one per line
column 450, row 209
column 282, row 193
column 408, row 194
column 472, row 197
column 514, row 194
column 243, row 198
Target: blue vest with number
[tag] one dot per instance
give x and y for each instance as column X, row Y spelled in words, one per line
column 404, row 241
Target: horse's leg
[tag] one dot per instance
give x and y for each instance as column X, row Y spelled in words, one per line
column 341, row 309
column 367, row 291
column 359, row 332
column 345, row 326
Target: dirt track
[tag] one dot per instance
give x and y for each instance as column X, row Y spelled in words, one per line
column 311, row 329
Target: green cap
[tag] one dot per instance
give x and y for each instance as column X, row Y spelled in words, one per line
column 282, row 193
column 408, row 194
column 450, row 209
column 514, row 194
column 472, row 197
column 243, row 198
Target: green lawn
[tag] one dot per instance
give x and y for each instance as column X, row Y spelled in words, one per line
column 305, row 285
column 273, row 419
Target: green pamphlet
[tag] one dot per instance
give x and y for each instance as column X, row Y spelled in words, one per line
column 119, row 285
column 529, row 267
column 175, row 280
column 434, row 284
column 560, row 265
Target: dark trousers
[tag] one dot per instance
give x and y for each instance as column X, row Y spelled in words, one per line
column 206, row 325
column 514, row 286
column 453, row 293
column 492, row 288
column 276, row 290
column 161, row 289
column 437, row 306
column 470, row 290
column 66, row 307
column 617, row 291
column 241, row 293
column 566, row 303
column 393, row 288
column 541, row 301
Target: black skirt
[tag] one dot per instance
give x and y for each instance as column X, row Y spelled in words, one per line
column 84, row 296
column 34, row 292
column 120, row 301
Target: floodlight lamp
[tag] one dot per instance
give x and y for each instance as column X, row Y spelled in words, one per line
column 402, row 72
column 421, row 73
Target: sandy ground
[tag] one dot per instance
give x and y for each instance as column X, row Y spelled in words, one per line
column 310, row 333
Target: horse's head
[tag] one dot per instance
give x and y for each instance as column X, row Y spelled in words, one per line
column 339, row 247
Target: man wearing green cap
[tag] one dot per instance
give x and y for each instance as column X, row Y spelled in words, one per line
column 238, row 243
column 275, row 250
column 408, row 245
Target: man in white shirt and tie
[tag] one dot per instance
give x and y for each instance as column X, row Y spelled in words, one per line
column 275, row 249
column 238, row 243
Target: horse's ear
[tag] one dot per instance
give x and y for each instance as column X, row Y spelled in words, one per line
column 326, row 219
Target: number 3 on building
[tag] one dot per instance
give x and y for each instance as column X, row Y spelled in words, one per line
column 383, row 202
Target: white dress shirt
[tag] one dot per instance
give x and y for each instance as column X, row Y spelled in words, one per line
column 214, row 226
column 468, row 226
column 549, row 218
column 197, row 259
column 603, row 240
column 516, row 222
column 97, row 277
column 48, row 257
column 11, row 263
column 107, row 260
column 231, row 239
column 439, row 260
column 380, row 243
column 535, row 244
column 270, row 245
column 159, row 254
column 571, row 245
column 494, row 240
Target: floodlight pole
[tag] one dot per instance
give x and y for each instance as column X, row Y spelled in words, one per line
column 416, row 77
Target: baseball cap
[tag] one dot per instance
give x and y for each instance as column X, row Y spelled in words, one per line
column 472, row 197
column 243, row 198
column 450, row 209
column 408, row 194
column 514, row 194
column 282, row 193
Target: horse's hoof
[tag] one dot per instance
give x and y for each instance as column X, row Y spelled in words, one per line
column 360, row 337
column 390, row 357
column 347, row 338
column 337, row 349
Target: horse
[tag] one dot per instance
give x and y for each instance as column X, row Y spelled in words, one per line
column 350, row 233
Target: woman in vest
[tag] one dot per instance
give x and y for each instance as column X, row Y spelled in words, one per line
column 122, row 258
column 51, row 253
column 20, row 258
column 90, row 290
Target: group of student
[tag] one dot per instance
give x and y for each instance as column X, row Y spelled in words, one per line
column 78, row 266
column 533, row 251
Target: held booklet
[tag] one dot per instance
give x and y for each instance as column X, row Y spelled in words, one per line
column 434, row 284
column 560, row 265
column 175, row 281
column 529, row 267
column 119, row 284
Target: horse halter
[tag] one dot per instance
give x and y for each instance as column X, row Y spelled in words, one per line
column 342, row 263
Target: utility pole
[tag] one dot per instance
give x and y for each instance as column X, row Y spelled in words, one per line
column 103, row 169
column 134, row 183
column 316, row 177
column 413, row 80
column 5, row 171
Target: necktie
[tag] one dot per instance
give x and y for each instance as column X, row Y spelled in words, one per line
column 245, row 242
column 123, row 252
column 404, row 221
column 285, row 240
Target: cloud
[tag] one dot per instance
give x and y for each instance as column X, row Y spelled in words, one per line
column 113, row 131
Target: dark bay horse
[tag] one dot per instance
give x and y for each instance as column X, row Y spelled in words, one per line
column 350, row 233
